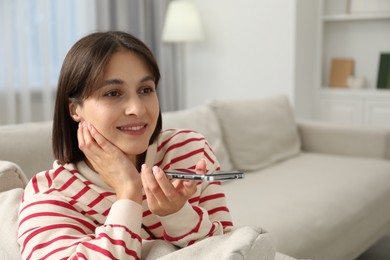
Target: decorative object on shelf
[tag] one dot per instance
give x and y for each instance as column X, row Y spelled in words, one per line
column 356, row 82
column 384, row 71
column 368, row 6
column 182, row 25
column 341, row 69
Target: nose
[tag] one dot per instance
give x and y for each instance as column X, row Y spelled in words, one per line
column 135, row 106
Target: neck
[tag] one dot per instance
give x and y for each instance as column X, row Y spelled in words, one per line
column 137, row 160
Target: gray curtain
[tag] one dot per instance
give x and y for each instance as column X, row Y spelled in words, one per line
column 144, row 19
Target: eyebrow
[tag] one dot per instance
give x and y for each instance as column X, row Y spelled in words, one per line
column 120, row 82
column 112, row 82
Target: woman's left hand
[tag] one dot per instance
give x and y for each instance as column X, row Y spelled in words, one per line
column 163, row 196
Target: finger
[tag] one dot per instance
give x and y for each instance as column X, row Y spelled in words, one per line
column 165, row 184
column 88, row 144
column 100, row 140
column 200, row 167
column 190, row 187
column 168, row 191
column 190, row 184
column 89, row 141
column 80, row 136
column 149, row 194
column 151, row 185
column 177, row 183
column 185, row 187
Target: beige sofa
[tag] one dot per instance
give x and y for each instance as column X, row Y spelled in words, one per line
column 321, row 191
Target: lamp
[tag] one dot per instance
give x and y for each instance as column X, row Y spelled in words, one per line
column 182, row 24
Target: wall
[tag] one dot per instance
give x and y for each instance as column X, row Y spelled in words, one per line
column 249, row 51
column 306, row 60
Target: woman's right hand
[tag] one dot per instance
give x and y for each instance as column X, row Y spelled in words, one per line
column 114, row 167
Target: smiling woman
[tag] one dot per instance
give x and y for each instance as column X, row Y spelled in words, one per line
column 107, row 191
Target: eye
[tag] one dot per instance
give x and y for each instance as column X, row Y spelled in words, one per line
column 147, row 90
column 113, row 93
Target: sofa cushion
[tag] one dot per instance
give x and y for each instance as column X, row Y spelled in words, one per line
column 316, row 206
column 258, row 132
column 28, row 145
column 322, row 137
column 203, row 120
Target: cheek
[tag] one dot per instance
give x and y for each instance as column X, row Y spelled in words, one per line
column 99, row 116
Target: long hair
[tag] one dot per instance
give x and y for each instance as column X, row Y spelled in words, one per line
column 81, row 73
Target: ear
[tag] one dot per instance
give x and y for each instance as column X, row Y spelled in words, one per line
column 74, row 111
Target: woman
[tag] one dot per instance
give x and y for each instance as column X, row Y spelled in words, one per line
column 107, row 190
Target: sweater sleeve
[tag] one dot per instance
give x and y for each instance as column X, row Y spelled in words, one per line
column 52, row 227
column 205, row 214
column 193, row 223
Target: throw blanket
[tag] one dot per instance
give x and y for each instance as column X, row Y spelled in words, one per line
column 243, row 243
column 12, row 182
column 11, row 176
column 9, row 206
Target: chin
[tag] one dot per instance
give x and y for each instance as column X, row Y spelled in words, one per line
column 135, row 151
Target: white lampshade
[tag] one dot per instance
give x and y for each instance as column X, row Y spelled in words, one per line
column 182, row 22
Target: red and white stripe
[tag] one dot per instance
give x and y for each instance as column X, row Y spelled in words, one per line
column 68, row 214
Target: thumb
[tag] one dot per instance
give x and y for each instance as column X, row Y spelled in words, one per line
column 200, row 167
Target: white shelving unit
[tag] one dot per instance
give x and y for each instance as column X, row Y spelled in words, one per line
column 362, row 37
column 355, row 17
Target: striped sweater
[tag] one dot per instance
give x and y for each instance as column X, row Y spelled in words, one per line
column 68, row 212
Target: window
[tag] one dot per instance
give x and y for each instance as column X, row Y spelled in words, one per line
column 35, row 37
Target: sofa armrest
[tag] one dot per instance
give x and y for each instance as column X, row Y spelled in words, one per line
column 28, row 145
column 323, row 137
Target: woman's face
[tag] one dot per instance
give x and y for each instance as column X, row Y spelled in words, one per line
column 125, row 108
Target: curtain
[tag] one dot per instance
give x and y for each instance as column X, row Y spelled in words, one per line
column 144, row 19
column 35, row 36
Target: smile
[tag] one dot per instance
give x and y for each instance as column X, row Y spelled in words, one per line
column 135, row 129
column 132, row 128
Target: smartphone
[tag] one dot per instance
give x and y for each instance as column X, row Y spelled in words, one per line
column 216, row 176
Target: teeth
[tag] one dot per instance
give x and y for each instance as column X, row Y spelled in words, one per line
column 131, row 128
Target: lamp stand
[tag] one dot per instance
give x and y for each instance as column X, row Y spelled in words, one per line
column 179, row 55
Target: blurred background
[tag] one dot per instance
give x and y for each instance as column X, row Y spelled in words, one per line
column 230, row 49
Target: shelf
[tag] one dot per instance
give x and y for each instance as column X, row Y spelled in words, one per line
column 356, row 17
column 361, row 36
column 367, row 92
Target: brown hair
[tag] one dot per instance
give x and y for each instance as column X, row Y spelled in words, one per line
column 80, row 75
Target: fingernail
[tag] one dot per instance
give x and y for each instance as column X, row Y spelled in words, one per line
column 155, row 169
column 143, row 167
